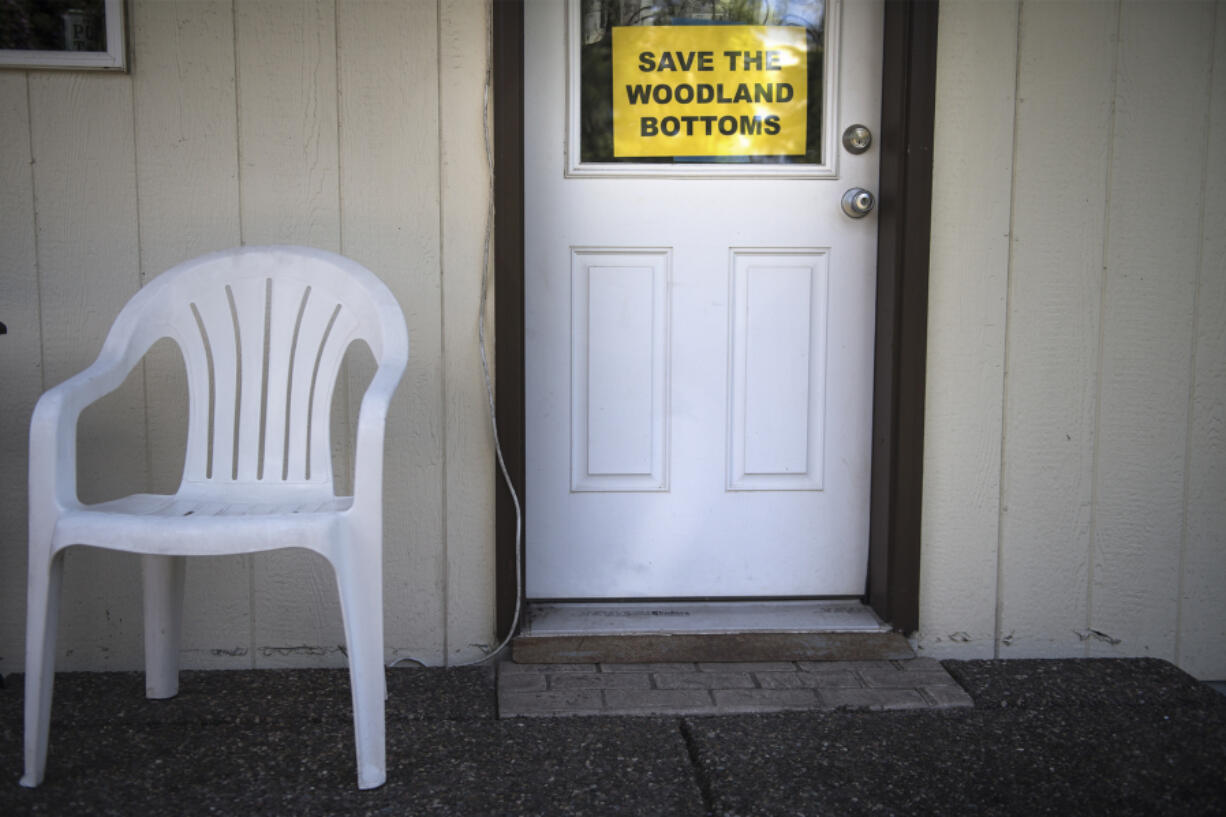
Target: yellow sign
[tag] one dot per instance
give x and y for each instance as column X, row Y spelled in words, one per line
column 709, row 91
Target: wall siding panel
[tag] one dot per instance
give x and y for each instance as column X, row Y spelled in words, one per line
column 1110, row 520
column 85, row 200
column 187, row 178
column 972, row 168
column 288, row 184
column 468, row 512
column 1055, row 283
column 1202, row 631
column 1152, row 254
column 186, row 126
column 389, row 183
column 287, row 135
column 21, row 363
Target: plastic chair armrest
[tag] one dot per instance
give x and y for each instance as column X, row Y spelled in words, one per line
column 372, row 424
column 53, row 428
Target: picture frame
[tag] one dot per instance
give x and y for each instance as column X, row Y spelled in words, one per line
column 64, row 34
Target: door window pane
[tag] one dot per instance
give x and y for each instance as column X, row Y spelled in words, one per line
column 699, row 93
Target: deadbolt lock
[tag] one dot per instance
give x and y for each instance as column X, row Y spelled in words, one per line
column 857, row 138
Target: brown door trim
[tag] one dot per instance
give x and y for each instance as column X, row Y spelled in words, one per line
column 909, row 80
column 508, row 80
column 907, row 107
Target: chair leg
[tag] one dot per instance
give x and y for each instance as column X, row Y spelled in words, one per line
column 163, row 580
column 42, row 616
column 361, row 593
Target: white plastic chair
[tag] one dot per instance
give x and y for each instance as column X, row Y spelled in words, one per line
column 257, row 473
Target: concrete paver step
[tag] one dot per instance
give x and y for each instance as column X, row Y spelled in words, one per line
column 556, row 690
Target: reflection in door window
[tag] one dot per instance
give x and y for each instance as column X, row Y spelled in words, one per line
column 600, row 17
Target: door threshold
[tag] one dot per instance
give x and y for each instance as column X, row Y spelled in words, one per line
column 699, row 617
column 665, row 632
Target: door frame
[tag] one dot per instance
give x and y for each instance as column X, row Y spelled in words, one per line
column 904, row 219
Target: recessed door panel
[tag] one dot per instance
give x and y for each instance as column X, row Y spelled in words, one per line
column 619, row 369
column 778, row 370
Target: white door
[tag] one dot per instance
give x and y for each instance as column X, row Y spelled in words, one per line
column 698, row 334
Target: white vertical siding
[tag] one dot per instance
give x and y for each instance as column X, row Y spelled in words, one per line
column 1055, row 288
column 1109, row 538
column 966, row 320
column 256, row 121
column 1202, row 603
column 1152, row 253
column 21, row 361
column 83, row 150
column 289, row 167
column 187, row 180
column 389, row 140
column 469, row 491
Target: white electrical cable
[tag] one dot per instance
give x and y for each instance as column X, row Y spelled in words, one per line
column 485, row 366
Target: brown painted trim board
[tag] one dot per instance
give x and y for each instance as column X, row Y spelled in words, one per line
column 909, row 79
column 508, row 80
column 904, row 226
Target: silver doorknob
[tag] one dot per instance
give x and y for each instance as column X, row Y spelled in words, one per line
column 858, row 202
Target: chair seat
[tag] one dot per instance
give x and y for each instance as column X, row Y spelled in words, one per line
column 168, row 524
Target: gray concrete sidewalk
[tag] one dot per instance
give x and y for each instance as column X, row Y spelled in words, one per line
column 1043, row 737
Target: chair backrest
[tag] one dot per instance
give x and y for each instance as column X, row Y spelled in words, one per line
column 263, row 331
